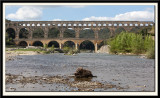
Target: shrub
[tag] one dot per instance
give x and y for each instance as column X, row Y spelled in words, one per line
column 127, row 42
column 52, row 49
column 66, row 49
column 45, row 46
column 151, row 53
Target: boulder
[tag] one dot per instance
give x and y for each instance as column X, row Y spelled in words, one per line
column 82, row 73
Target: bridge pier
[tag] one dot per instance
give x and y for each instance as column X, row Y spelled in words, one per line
column 95, row 45
column 60, row 45
column 76, row 46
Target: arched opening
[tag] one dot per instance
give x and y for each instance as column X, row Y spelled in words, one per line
column 87, row 46
column 104, row 33
column 38, row 33
column 87, row 33
column 38, row 43
column 135, row 29
column 23, row 33
column 10, row 35
column 104, row 42
column 23, row 43
column 54, row 43
column 69, row 33
column 70, row 44
column 119, row 30
column 53, row 33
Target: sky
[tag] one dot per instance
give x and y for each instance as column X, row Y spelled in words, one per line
column 79, row 12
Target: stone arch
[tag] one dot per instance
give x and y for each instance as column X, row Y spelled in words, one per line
column 135, row 29
column 53, row 33
column 104, row 33
column 37, row 43
column 119, row 30
column 86, row 33
column 23, row 43
column 69, row 33
column 87, row 45
column 11, row 33
column 38, row 33
column 23, row 33
column 55, row 43
column 69, row 44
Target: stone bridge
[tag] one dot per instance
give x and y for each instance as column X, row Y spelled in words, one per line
column 77, row 26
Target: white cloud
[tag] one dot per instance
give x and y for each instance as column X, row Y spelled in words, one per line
column 26, row 13
column 57, row 20
column 128, row 16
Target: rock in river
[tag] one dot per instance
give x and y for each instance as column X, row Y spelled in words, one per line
column 82, row 73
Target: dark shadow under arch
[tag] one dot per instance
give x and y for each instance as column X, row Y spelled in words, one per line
column 69, row 44
column 104, row 42
column 23, row 43
column 10, row 36
column 11, row 33
column 55, row 43
column 87, row 45
column 38, row 43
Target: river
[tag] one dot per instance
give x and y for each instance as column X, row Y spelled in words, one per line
column 131, row 73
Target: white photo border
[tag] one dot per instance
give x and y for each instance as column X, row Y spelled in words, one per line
column 84, row 93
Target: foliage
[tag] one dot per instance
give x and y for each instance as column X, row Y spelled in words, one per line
column 45, row 46
column 52, row 49
column 29, row 49
column 66, row 49
column 9, row 40
column 127, row 42
column 151, row 53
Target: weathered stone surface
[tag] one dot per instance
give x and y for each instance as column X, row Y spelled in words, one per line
column 104, row 49
column 82, row 73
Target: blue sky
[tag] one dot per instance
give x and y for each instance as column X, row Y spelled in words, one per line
column 80, row 12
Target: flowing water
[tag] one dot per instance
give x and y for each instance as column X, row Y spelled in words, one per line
column 132, row 73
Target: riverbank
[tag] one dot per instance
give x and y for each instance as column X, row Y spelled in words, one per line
column 10, row 55
column 54, row 73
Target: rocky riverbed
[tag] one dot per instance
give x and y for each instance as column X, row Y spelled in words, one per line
column 29, row 71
